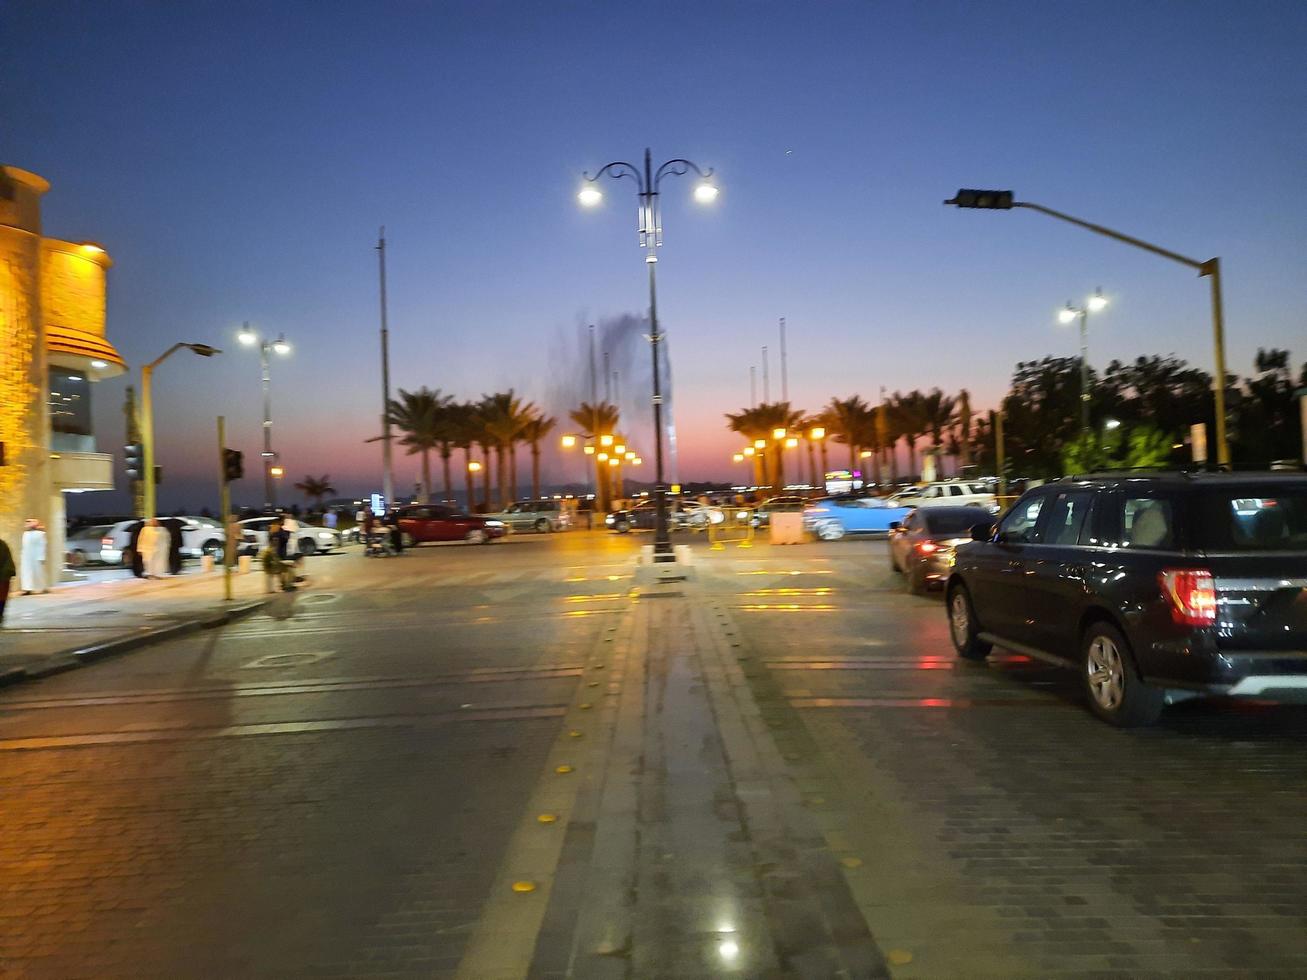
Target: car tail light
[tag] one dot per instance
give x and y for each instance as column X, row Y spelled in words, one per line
column 1192, row 594
column 106, row 542
column 927, row 547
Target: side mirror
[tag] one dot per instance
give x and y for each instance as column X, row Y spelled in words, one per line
column 982, row 532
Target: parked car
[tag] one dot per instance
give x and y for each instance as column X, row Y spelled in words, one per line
column 435, row 522
column 785, row 502
column 921, row 545
column 84, row 545
column 200, row 536
column 830, row 518
column 681, row 515
column 309, row 540
column 1152, row 587
column 542, row 516
column 947, row 493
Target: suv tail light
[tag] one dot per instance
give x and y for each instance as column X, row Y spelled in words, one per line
column 106, row 542
column 1192, row 594
column 927, row 547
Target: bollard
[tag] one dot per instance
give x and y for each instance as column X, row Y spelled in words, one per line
column 243, row 564
column 206, row 563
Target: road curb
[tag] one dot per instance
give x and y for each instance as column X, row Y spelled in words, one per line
column 76, row 657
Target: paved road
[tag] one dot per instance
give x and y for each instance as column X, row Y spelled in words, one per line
column 493, row 761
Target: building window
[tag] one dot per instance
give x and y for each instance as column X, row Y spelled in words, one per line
column 70, row 410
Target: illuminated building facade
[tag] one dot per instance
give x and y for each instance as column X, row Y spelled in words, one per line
column 52, row 349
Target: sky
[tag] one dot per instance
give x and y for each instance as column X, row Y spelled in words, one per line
column 237, row 159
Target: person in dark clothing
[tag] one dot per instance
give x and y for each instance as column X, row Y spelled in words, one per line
column 174, row 527
column 134, row 549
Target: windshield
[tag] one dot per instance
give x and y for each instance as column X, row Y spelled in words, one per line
column 949, row 521
column 1267, row 518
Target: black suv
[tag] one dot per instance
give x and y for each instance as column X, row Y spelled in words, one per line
column 1150, row 586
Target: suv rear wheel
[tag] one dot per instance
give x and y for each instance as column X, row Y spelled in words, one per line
column 543, row 526
column 1116, row 694
column 962, row 625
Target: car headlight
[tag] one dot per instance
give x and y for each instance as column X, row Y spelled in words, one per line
column 494, row 523
column 609, row 519
column 325, row 536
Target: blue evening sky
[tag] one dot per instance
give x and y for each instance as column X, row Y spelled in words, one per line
column 237, row 158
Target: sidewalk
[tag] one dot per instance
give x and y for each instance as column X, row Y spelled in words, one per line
column 80, row 622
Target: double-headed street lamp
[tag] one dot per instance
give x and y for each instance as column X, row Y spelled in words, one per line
column 147, row 418
column 648, row 182
column 1095, row 304
column 249, row 338
column 991, row 200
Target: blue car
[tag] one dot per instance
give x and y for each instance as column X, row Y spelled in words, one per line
column 830, row 518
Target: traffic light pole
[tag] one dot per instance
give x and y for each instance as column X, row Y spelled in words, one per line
column 1212, row 270
column 224, row 509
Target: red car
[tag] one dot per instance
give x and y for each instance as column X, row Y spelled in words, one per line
column 432, row 522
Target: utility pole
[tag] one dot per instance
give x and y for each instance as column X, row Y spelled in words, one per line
column 594, row 385
column 785, row 378
column 753, row 386
column 224, row 509
column 387, row 475
column 766, row 378
column 608, row 381
column 617, row 391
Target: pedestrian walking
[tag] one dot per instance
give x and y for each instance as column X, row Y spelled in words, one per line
column 154, row 546
column 31, row 573
column 7, row 571
column 330, row 519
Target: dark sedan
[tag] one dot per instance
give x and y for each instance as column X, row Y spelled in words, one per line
column 921, row 545
column 1153, row 588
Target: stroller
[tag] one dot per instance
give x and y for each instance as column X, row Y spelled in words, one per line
column 378, row 545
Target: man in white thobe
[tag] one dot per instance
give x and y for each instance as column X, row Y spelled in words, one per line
column 154, row 544
column 31, row 570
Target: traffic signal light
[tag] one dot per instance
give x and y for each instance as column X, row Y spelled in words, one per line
column 158, row 475
column 233, row 466
column 135, row 456
column 969, row 197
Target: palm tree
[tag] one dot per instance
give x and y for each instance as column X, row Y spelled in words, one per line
column 462, row 428
column 417, row 415
column 964, row 429
column 911, row 418
column 936, row 416
column 315, row 488
column 747, row 423
column 847, row 417
column 760, row 423
column 535, row 432
column 597, row 420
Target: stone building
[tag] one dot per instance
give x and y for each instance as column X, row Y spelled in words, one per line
column 52, row 349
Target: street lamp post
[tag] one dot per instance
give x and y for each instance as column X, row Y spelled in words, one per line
column 147, row 418
column 992, row 200
column 1096, row 303
column 648, row 182
column 279, row 346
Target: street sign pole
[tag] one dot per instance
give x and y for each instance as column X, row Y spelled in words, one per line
column 224, row 508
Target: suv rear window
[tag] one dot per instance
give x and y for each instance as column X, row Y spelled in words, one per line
column 948, row 521
column 1253, row 519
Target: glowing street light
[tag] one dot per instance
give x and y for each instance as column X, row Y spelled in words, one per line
column 250, row 338
column 589, row 450
column 816, row 433
column 649, row 181
column 778, row 433
column 749, row 451
column 791, row 443
column 474, row 467
column 738, row 458
column 760, row 444
column 568, row 441
column 619, row 449
column 605, row 440
column 1069, row 313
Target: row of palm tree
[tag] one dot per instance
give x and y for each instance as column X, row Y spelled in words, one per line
column 492, row 428
column 944, row 422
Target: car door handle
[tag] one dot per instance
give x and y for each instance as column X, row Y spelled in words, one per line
column 1076, row 571
column 1015, row 565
